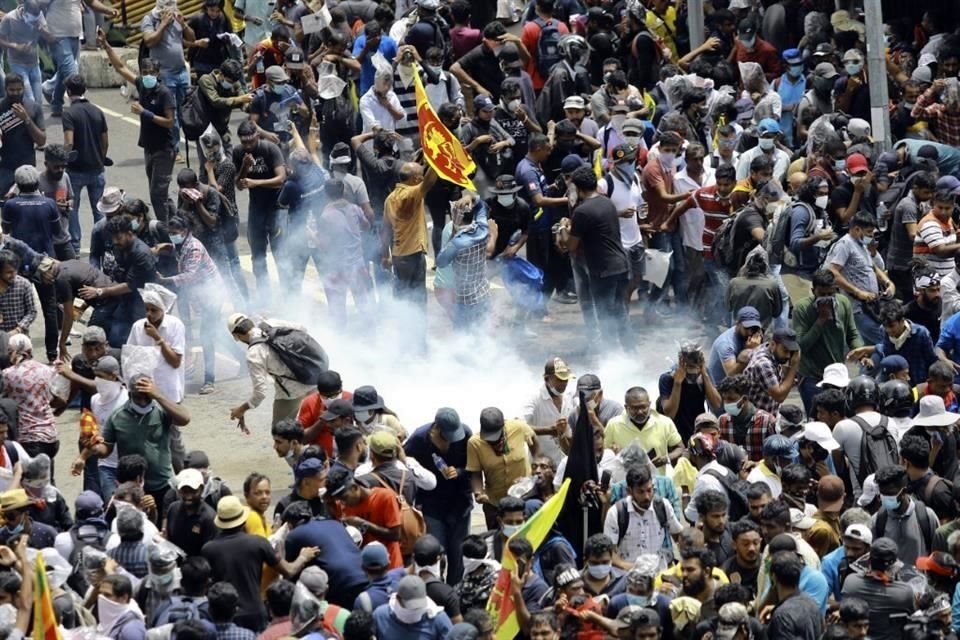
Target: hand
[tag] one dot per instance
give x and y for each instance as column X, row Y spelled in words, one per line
column 386, row 262
column 7, row 557
column 76, row 469
column 20, row 112
column 148, row 503
column 794, row 360
column 660, row 461
column 243, row 184
column 255, row 20
column 484, row 139
column 864, row 182
column 560, row 427
column 163, row 247
column 509, row 37
column 499, row 146
column 237, row 412
column 516, row 581
column 766, row 613
column 202, row 43
column 859, row 353
column 271, row 137
column 824, row 313
column 248, row 161
column 88, row 293
column 864, row 296
column 64, row 205
column 307, row 554
column 357, row 522
column 825, row 235
column 242, row 425
column 712, row 44
column 152, row 332
column 146, row 387
column 276, row 16
column 179, row 18
column 64, row 354
column 101, row 38
column 754, row 340
column 451, row 473
column 939, row 84
column 889, row 290
column 481, row 497
column 136, row 108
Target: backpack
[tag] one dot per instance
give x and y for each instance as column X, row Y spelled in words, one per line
column 194, row 115
column 927, row 527
column 548, row 46
column 182, row 608
column 98, row 541
column 724, row 252
column 623, row 523
column 878, row 448
column 296, row 349
column 736, row 492
column 412, row 524
column 777, row 242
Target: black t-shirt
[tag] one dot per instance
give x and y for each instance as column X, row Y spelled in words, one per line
column 18, row 148
column 597, row 225
column 266, row 158
column 445, row 596
column 744, row 575
column 190, row 531
column 88, row 123
column 238, row 558
column 517, row 130
column 748, row 220
column 203, row 27
column 483, row 65
column 84, row 368
column 380, row 174
column 929, row 318
column 509, row 221
column 136, row 266
column 74, row 274
column 692, row 403
column 158, row 100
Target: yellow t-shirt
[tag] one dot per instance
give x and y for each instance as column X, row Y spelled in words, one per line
column 257, row 525
column 674, row 572
column 659, row 434
column 499, row 472
column 404, row 210
column 665, row 28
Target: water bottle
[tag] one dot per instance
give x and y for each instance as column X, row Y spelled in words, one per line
column 440, row 463
column 882, row 216
column 260, row 66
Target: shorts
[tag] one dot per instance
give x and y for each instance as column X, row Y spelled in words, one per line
column 635, row 258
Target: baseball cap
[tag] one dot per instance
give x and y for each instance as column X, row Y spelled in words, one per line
column 338, row 409
column 589, row 382
column 800, row 520
column 571, row 163
column 483, row 103
column 107, row 365
column 749, row 317
column 315, row 580
column 308, row 468
column 633, row 616
column 779, row 446
column 412, row 592
column 463, row 631
column 825, row 70
column 491, row 430
column 793, row 56
column 787, row 337
column 558, row 368
column 276, row 73
column 196, row 460
column 574, row 102
column 730, row 618
column 87, row 504
column 859, row 128
column 883, row 553
column 366, row 398
column 233, row 321
column 892, row 364
column 632, row 125
column 860, row 532
column 624, row 151
column 384, row 444
column 852, row 55
column 448, row 423
column 830, row 491
column 510, row 55
column 940, row 563
column 767, row 126
column 835, row 375
column 949, row 183
column 706, row 418
column 922, row 74
column 339, row 480
column 820, row 433
column 747, row 27
column 374, row 556
column 928, row 151
column 856, row 162
column 190, row 478
column 293, row 59
column 94, row 335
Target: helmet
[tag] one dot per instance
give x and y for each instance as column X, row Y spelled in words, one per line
column 779, row 446
column 573, row 47
column 861, row 391
column 895, row 397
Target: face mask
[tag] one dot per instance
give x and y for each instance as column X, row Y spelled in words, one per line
column 733, row 408
column 134, row 225
column 765, row 143
column 437, row 69
column 852, row 68
column 432, row 569
column 162, row 580
column 796, row 70
column 640, row 601
column 890, row 503
column 10, row 534
column 108, row 389
column 149, row 82
column 840, row 165
column 141, row 410
column 667, row 160
column 509, row 529
column 226, row 84
column 108, row 612
column 363, row 416
column 513, row 105
column 405, row 615
column 777, row 468
column 278, row 89
column 31, row 19
column 866, row 241
column 472, row 564
column 728, row 144
column 822, row 85
column 909, row 105
column 634, row 140
column 821, row 201
column 291, row 457
column 627, row 168
column 599, row 571
column 176, row 238
column 749, row 42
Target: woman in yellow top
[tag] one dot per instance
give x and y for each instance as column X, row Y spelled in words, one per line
column 257, row 493
column 373, row 415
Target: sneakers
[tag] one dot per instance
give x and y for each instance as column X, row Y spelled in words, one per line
column 207, row 389
column 46, row 88
column 567, row 297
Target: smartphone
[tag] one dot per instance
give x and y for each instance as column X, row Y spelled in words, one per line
column 521, row 567
column 605, row 481
column 652, row 454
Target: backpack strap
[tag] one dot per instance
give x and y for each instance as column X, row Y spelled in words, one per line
column 661, row 512
column 12, row 454
column 623, row 520
column 880, row 525
column 928, row 489
column 366, row 603
column 925, row 524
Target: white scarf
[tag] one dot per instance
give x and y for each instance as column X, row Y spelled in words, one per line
column 901, row 340
column 109, row 612
column 413, row 616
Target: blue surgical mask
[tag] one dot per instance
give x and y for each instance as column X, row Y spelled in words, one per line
column 796, row 70
column 149, row 82
column 890, row 503
column 840, row 165
column 278, row 89
column 134, row 225
column 852, row 68
column 509, row 529
column 226, row 84
column 866, row 241
column 733, row 408
column 176, row 238
column 599, row 571
column 627, row 168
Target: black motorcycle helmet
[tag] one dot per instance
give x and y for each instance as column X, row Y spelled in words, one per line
column 862, row 391
column 896, row 398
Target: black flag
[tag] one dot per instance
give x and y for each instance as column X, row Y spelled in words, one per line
column 581, row 468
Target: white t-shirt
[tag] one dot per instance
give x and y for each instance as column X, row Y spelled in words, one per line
column 625, row 196
column 170, row 382
column 102, row 410
column 6, row 468
column 848, row 433
column 692, row 221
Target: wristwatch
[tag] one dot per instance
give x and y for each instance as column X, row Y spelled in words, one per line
column 99, row 292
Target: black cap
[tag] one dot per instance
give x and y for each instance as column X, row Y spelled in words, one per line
column 366, row 398
column 747, row 27
column 883, row 554
column 787, row 337
column 338, row 409
column 196, row 460
column 588, row 382
column 338, row 480
column 293, row 59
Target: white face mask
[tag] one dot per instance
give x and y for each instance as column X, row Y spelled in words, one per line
column 432, row 569
column 822, row 201
column 141, row 410
column 108, row 612
column 766, row 143
column 667, row 160
column 108, row 389
column 506, row 200
column 405, row 615
column 363, row 416
column 472, row 564
column 513, row 105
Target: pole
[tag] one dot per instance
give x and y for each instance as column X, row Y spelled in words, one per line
column 877, row 72
column 695, row 23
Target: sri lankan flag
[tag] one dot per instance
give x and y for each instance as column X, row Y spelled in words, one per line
column 44, row 621
column 441, row 149
column 500, row 605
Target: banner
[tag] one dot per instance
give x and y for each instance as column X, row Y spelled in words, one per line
column 441, row 149
column 500, row 606
column 44, row 621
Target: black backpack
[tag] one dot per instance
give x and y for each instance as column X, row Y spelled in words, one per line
column 98, row 541
column 736, row 492
column 927, row 527
column 548, row 46
column 878, row 448
column 777, row 241
column 194, row 115
column 725, row 253
column 296, row 349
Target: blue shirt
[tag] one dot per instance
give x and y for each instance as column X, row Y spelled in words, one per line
column 808, row 259
column 790, row 95
column 531, row 179
column 33, row 218
column 379, row 591
column 727, row 346
column 917, row 350
column 387, row 626
column 339, row 557
column 950, row 340
column 814, row 584
column 450, row 498
column 388, row 47
column 466, row 237
column 830, row 568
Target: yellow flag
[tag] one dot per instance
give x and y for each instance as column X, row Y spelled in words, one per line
column 500, row 606
column 44, row 621
column 441, row 149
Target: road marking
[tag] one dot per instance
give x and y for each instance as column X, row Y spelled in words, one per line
column 120, row 116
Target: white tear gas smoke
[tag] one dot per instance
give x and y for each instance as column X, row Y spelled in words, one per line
column 471, row 371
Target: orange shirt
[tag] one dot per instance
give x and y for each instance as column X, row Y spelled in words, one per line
column 311, row 408
column 382, row 509
column 530, row 37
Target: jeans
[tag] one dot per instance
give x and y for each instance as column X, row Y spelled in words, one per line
column 32, row 81
column 117, row 317
column 782, row 320
column 178, row 82
column 95, row 183
column 869, row 329
column 108, row 482
column 450, row 529
column 51, row 324
column 159, row 165
column 6, row 181
column 808, row 389
column 715, row 292
column 611, row 307
column 65, row 52
column 672, row 241
column 91, row 477
column 581, row 280
column 234, row 269
column 265, row 227
column 410, row 279
column 34, row 449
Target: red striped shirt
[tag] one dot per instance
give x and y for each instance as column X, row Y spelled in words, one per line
column 715, row 211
